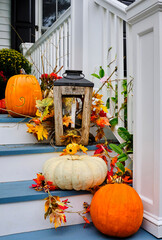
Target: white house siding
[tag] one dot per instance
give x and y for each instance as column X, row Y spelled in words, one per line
column 5, row 20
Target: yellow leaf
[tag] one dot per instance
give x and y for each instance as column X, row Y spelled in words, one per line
column 38, row 113
column 67, row 102
column 41, row 132
column 84, row 149
column 51, row 218
column 57, row 222
column 96, row 95
column 31, row 128
column 49, row 115
column 67, row 120
column 79, row 115
column 104, row 108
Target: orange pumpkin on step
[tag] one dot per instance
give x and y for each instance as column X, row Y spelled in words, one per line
column 21, row 94
column 117, row 210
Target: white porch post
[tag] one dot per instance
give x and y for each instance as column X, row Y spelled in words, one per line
column 146, row 20
column 76, row 35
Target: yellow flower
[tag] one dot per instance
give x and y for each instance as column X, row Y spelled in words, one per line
column 72, row 148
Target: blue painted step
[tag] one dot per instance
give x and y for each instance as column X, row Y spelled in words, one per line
column 73, row 232
column 26, row 207
column 19, row 149
column 11, row 192
column 6, row 118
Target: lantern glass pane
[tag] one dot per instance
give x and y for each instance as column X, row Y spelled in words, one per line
column 72, row 107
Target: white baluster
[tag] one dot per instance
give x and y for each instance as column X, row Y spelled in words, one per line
column 61, row 49
column 65, row 46
column 129, row 78
column 120, row 71
column 69, row 43
column 112, row 56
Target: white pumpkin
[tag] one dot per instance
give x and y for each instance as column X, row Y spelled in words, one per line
column 75, row 172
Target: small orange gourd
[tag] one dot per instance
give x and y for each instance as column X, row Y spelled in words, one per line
column 21, row 94
column 117, row 210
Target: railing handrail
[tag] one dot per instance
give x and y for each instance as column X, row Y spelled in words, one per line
column 115, row 7
column 51, row 29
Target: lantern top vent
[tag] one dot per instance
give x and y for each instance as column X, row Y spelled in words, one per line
column 73, row 78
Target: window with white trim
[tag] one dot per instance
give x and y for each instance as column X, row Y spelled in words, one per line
column 52, row 10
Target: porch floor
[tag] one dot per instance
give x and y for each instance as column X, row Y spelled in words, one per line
column 73, row 232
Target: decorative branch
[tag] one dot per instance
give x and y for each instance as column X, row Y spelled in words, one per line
column 107, row 80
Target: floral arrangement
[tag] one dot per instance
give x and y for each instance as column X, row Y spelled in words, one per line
column 47, row 80
column 55, row 208
column 42, row 126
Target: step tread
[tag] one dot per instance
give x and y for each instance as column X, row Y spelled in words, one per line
column 6, row 118
column 11, row 192
column 18, row 149
column 73, row 232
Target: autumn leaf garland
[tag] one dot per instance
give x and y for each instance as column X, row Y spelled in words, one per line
column 54, row 207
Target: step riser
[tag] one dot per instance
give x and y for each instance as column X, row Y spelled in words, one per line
column 15, row 133
column 29, row 216
column 24, row 167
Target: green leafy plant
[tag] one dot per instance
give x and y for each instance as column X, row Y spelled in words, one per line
column 124, row 149
column 128, row 138
column 11, row 61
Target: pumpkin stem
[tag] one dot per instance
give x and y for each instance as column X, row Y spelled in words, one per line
column 116, row 180
column 22, row 71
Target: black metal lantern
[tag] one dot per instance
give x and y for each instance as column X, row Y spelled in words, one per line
column 73, row 85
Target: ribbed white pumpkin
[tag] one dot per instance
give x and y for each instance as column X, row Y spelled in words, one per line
column 75, row 172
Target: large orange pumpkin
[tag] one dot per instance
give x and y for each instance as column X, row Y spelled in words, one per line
column 21, row 94
column 117, row 210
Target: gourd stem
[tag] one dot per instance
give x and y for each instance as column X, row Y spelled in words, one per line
column 22, row 71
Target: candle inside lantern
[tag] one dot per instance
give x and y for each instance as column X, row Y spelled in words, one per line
column 73, row 112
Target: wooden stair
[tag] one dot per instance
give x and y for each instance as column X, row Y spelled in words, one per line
column 21, row 207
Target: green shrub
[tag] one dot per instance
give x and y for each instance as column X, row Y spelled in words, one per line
column 11, row 61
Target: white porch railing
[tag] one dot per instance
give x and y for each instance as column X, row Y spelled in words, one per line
column 53, row 48
column 70, row 43
column 117, row 36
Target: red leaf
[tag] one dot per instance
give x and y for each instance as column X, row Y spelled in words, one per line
column 63, row 207
column 110, row 174
column 102, row 113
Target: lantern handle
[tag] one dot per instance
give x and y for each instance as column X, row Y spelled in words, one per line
column 78, row 78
